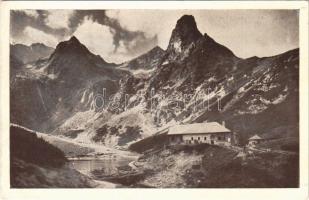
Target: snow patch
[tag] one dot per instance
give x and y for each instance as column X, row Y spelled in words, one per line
column 212, row 79
column 285, row 89
column 221, row 92
column 242, row 89
column 142, row 71
column 52, row 76
column 280, row 99
column 83, row 97
column 165, row 62
column 177, row 45
column 265, row 101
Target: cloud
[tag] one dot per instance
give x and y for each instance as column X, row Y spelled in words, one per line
column 58, row 19
column 133, row 32
column 132, row 43
column 62, row 24
column 32, row 35
column 246, row 32
column 97, row 37
column 151, row 22
column 30, row 13
column 111, row 41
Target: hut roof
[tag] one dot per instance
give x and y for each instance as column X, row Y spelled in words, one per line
column 198, row 128
column 255, row 137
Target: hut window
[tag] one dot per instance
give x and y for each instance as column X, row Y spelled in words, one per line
column 204, row 138
column 198, row 138
column 191, row 138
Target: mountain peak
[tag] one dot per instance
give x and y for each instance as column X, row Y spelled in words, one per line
column 72, row 46
column 74, row 49
column 42, row 48
column 186, row 37
column 185, row 32
column 73, row 39
column 73, row 56
column 148, row 60
column 186, row 28
column 186, row 21
column 37, row 44
column 183, row 37
column 155, row 49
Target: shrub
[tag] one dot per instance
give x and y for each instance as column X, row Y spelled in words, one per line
column 25, row 145
column 132, row 133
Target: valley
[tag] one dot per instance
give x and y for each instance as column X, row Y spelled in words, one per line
column 110, row 122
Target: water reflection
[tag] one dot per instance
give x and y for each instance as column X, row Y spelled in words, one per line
column 108, row 166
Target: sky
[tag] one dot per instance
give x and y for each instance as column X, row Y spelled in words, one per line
column 120, row 35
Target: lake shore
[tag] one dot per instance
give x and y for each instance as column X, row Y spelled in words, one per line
column 108, row 171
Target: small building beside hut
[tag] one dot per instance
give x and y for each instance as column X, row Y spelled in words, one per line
column 254, row 140
column 199, row 133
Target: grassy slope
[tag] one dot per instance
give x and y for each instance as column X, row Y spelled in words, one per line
column 152, row 142
column 35, row 163
column 29, row 175
column 25, row 145
column 69, row 149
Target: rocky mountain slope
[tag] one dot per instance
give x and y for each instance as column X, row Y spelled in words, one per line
column 195, row 79
column 201, row 80
column 144, row 65
column 147, row 61
column 47, row 92
column 26, row 54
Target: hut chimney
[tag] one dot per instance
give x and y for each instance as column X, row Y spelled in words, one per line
column 223, row 123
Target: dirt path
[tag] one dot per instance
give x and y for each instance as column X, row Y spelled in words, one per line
column 105, row 184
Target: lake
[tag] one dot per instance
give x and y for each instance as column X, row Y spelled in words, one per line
column 108, row 166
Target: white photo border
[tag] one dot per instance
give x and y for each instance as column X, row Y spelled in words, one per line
column 153, row 194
